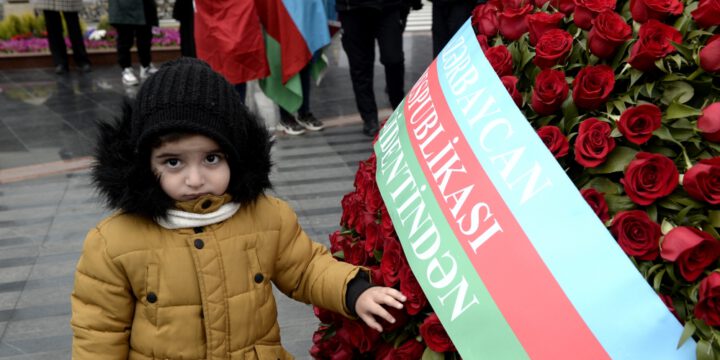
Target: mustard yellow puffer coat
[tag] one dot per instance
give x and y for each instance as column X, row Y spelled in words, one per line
column 146, row 292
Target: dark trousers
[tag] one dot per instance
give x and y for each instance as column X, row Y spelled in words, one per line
column 305, row 86
column 56, row 41
column 447, row 19
column 361, row 27
column 241, row 89
column 126, row 36
column 187, row 37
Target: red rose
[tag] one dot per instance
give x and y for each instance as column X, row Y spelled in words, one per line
column 386, row 226
column 409, row 350
column 592, row 86
column 358, row 335
column 638, row 123
column 702, row 181
column 709, row 122
column 326, row 316
column 649, row 177
column 565, row 6
column 352, row 209
column 550, row 90
column 609, row 32
column 587, row 10
column 644, row 10
column 654, row 42
column 483, row 41
column 541, row 22
column 553, row 48
column 554, row 139
column 435, row 335
column 355, row 253
column 593, row 143
column 338, row 240
column 416, row 300
column 692, row 249
column 510, row 83
column 707, row 13
column 400, row 316
column 708, row 306
column 330, row 348
column 376, row 275
column 373, row 199
column 511, row 20
column 597, row 202
column 484, row 19
column 392, row 263
column 637, row 234
column 501, row 60
column 710, row 54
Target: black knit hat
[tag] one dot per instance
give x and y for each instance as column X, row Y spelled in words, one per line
column 184, row 96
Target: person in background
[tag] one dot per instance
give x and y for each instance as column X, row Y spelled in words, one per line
column 447, row 18
column 364, row 22
column 133, row 20
column 184, row 13
column 54, row 11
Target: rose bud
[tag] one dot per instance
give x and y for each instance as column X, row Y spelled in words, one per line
column 709, row 122
column 540, row 22
column 550, row 90
column 649, row 177
column 710, row 54
column 593, row 143
column 609, row 32
column 587, row 10
column 707, row 308
column 554, row 139
column 638, row 123
column 644, row 10
column 637, row 234
column 707, row 13
column 592, row 86
column 654, row 43
column 702, row 181
column 691, row 249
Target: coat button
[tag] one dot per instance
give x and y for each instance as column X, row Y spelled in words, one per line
column 199, row 244
column 151, row 297
column 259, row 278
column 206, row 204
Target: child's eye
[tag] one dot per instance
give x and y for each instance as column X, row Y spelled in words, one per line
column 172, row 163
column 213, row 158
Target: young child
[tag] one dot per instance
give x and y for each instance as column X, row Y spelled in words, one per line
column 184, row 269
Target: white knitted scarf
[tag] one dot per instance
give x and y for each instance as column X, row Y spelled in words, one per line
column 178, row 219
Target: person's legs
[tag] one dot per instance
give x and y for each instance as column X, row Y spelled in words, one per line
column 440, row 34
column 241, row 89
column 305, row 117
column 187, row 37
column 455, row 16
column 144, row 42
column 124, row 42
column 391, row 54
column 358, row 39
column 56, row 42
column 76, row 38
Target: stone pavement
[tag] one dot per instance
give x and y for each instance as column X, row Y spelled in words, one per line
column 46, row 123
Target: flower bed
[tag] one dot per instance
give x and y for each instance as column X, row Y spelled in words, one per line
column 626, row 95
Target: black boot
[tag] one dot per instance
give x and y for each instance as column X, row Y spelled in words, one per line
column 370, row 128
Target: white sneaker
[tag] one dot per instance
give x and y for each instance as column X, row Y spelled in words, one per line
column 147, row 71
column 128, row 77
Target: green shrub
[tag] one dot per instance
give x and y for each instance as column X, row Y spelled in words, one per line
column 104, row 23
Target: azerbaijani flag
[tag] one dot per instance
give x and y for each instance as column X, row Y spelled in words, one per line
column 294, row 31
column 513, row 260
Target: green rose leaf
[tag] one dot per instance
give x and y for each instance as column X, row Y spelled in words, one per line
column 431, row 355
column 678, row 91
column 616, row 161
column 704, row 351
column 687, row 333
column 679, row 111
column 714, row 218
column 605, row 186
column 618, row 203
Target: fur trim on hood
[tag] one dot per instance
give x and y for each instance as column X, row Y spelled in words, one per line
column 124, row 178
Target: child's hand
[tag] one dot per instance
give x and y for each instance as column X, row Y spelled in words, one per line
column 370, row 303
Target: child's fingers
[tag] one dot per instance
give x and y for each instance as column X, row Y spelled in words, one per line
column 371, row 322
column 397, row 295
column 378, row 310
column 391, row 297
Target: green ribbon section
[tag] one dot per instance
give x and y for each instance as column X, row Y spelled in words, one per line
column 440, row 264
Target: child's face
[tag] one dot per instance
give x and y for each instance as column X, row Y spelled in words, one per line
column 191, row 167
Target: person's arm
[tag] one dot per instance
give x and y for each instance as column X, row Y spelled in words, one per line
column 102, row 304
column 368, row 301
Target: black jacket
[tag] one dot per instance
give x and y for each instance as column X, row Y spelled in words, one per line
column 344, row 5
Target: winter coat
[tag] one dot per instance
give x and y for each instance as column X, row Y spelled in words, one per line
column 344, row 5
column 146, row 292
column 133, row 12
column 58, row 5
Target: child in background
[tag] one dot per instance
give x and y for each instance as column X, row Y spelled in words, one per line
column 133, row 20
column 184, row 269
